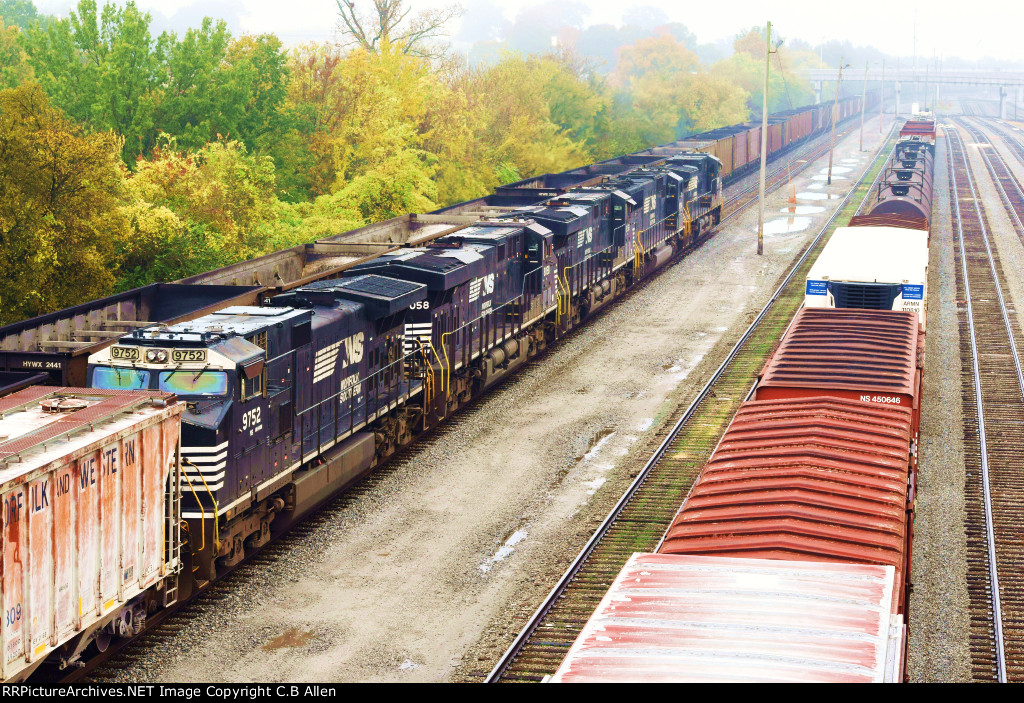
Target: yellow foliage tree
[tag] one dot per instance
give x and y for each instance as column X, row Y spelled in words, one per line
column 59, row 207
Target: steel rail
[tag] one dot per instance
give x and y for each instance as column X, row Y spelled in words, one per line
column 977, row 133
column 527, row 632
column 997, row 620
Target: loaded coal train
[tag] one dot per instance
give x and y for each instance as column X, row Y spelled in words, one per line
column 790, row 558
column 294, row 374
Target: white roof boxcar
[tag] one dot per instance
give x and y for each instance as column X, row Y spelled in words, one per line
column 875, row 268
column 88, row 489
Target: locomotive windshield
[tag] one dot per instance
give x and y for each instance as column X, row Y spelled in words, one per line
column 187, row 382
column 111, row 378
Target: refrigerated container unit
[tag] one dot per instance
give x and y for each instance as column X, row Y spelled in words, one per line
column 875, row 268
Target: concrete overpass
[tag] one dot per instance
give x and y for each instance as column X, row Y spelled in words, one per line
column 917, row 79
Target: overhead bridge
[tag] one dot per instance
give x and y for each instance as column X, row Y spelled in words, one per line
column 896, row 79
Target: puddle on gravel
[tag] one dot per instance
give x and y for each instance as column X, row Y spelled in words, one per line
column 596, row 443
column 835, row 170
column 592, row 486
column 408, row 664
column 645, row 424
column 291, row 638
column 802, row 209
column 817, row 196
column 816, row 186
column 824, row 177
column 787, row 225
column 505, row 550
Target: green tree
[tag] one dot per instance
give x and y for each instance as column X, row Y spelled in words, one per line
column 256, row 75
column 745, row 68
column 60, row 193
column 191, row 105
column 100, row 68
column 18, row 13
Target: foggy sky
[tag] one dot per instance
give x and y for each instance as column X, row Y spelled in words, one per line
column 991, row 29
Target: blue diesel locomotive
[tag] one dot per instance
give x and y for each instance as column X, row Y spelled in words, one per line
column 291, row 401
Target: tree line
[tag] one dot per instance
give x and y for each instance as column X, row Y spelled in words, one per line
column 128, row 158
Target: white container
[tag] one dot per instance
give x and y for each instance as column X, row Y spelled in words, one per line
column 89, row 512
column 875, row 268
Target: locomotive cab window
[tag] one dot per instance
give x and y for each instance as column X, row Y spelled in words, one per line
column 252, row 387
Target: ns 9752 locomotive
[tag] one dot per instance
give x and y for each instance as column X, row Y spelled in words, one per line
column 293, row 400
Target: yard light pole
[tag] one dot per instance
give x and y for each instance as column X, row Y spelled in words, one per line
column 764, row 138
column 835, row 117
column 881, row 99
column 863, row 104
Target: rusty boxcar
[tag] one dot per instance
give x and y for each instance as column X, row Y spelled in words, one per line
column 89, row 489
column 871, row 356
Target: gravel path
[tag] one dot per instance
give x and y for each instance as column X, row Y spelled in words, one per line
column 427, row 576
column 939, row 625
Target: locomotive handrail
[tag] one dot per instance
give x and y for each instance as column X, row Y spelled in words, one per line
column 216, row 522
column 202, row 509
column 446, row 369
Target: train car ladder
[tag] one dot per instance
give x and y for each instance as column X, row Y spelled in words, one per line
column 173, row 527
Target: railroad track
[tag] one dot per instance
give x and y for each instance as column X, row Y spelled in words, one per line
column 639, row 519
column 780, row 173
column 167, row 623
column 1010, row 190
column 993, row 399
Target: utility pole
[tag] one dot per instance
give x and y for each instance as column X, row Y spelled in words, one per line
column 764, row 141
column 881, row 99
column 835, row 117
column 863, row 104
column 896, row 114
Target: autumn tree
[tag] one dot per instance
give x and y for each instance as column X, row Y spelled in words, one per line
column 666, row 96
column 14, row 66
column 514, row 122
column 391, row 23
column 745, row 68
column 663, row 56
column 60, row 192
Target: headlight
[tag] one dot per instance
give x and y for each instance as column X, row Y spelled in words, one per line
column 156, row 356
